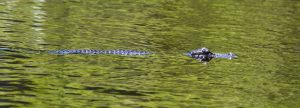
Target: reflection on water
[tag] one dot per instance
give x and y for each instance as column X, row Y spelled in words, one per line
column 263, row 33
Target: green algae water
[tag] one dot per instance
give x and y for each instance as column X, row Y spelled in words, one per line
column 263, row 33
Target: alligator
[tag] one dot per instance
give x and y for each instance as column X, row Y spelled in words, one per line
column 201, row 54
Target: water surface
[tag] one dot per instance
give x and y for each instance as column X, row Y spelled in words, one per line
column 263, row 33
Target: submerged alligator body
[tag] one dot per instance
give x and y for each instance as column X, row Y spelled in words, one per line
column 202, row 54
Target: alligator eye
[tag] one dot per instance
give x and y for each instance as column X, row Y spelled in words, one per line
column 204, row 50
column 201, row 56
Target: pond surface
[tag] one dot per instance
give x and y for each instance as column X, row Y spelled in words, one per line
column 263, row 33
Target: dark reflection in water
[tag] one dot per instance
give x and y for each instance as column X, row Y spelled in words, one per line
column 12, row 20
column 10, row 86
column 118, row 92
column 18, row 56
column 15, row 102
column 10, row 68
column 264, row 34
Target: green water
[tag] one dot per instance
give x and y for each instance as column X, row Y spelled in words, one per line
column 263, row 33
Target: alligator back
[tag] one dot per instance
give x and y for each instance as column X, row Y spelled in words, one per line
column 116, row 52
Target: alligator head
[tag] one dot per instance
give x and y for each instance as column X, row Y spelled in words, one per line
column 204, row 55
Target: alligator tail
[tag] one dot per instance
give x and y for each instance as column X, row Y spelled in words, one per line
column 115, row 52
